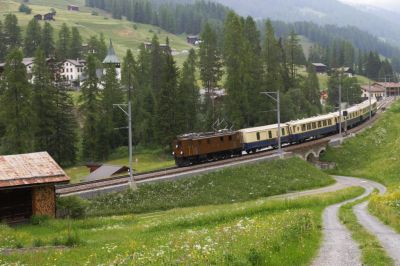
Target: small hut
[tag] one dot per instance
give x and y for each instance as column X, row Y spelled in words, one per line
column 27, row 186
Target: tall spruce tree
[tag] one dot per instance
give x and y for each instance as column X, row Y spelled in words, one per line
column 16, row 106
column 33, row 38
column 157, row 65
column 188, row 108
column 167, row 99
column 111, row 118
column 65, row 135
column 89, row 100
column 63, row 43
column 12, row 32
column 43, row 105
column 312, row 92
column 3, row 47
column 75, row 51
column 236, row 101
column 47, row 43
column 210, row 66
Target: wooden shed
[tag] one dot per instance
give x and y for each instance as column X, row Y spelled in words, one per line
column 27, row 186
column 73, row 8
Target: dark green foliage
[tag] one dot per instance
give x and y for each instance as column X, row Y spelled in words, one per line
column 90, row 106
column 12, row 32
column 39, row 219
column 98, row 47
column 16, row 106
column 33, row 38
column 3, row 47
column 43, row 105
column 25, row 9
column 47, row 43
column 71, row 207
column 350, row 90
column 63, row 43
column 76, row 44
column 112, row 119
column 166, row 103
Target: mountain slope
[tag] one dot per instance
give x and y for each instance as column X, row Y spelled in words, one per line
column 321, row 12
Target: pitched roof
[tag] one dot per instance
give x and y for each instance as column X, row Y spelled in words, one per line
column 30, row 169
column 319, row 64
column 77, row 62
column 388, row 84
column 373, row 88
column 106, row 171
column 111, row 57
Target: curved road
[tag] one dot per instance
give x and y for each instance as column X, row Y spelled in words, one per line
column 338, row 247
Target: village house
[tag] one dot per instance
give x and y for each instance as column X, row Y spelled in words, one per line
column 165, row 48
column 193, row 39
column 346, row 71
column 73, row 8
column 112, row 59
column 49, row 16
column 320, row 68
column 72, row 70
column 27, row 186
column 381, row 89
column 29, row 63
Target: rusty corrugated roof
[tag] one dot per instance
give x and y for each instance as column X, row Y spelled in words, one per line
column 30, row 169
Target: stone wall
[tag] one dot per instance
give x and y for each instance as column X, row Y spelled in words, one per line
column 44, row 201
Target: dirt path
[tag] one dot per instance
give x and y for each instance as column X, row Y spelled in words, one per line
column 389, row 239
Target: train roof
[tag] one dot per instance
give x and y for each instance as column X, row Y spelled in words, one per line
column 262, row 128
column 313, row 119
column 360, row 105
column 203, row 135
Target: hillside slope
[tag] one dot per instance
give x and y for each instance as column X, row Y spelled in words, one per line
column 122, row 32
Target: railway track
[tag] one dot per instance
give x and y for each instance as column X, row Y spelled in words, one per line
column 69, row 189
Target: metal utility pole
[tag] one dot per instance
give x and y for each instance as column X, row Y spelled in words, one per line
column 132, row 182
column 278, row 114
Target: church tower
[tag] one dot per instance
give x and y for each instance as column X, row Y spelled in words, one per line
column 112, row 58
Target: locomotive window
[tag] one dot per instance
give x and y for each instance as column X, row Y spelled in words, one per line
column 230, row 138
column 270, row 134
column 199, row 142
column 222, row 139
column 258, row 136
column 209, row 141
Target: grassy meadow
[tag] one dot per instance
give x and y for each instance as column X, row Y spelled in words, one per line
column 260, row 232
column 122, row 32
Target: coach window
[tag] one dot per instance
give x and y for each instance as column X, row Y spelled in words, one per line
column 314, row 125
column 303, row 127
column 283, row 132
column 270, row 134
column 308, row 126
column 319, row 124
column 258, row 136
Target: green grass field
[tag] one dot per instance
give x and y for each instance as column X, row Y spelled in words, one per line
column 261, row 232
column 122, row 32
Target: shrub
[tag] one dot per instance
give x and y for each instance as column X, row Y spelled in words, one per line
column 38, row 242
column 39, row 219
column 135, row 26
column 25, row 9
column 95, row 13
column 57, row 241
column 72, row 240
column 71, row 207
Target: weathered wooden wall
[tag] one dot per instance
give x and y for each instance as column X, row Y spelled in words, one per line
column 44, row 201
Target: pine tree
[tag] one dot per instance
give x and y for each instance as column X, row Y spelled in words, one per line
column 111, row 118
column 47, row 43
column 236, row 101
column 33, row 38
column 76, row 44
column 15, row 102
column 210, row 67
column 12, row 32
column 43, row 103
column 167, row 127
column 312, row 92
column 89, row 107
column 3, row 47
column 157, row 65
column 188, row 105
column 295, row 54
column 63, row 43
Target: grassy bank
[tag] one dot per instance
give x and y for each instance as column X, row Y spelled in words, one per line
column 226, row 186
column 260, row 232
column 374, row 154
column 372, row 252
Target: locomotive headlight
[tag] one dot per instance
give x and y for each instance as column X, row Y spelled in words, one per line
column 177, row 146
column 173, row 153
column 181, row 152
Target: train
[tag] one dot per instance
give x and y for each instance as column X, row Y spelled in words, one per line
column 195, row 148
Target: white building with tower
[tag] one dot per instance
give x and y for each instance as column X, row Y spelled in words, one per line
column 112, row 59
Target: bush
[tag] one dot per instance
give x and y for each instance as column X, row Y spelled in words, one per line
column 71, row 207
column 39, row 219
column 135, row 26
column 95, row 13
column 25, row 9
column 38, row 243
column 72, row 240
